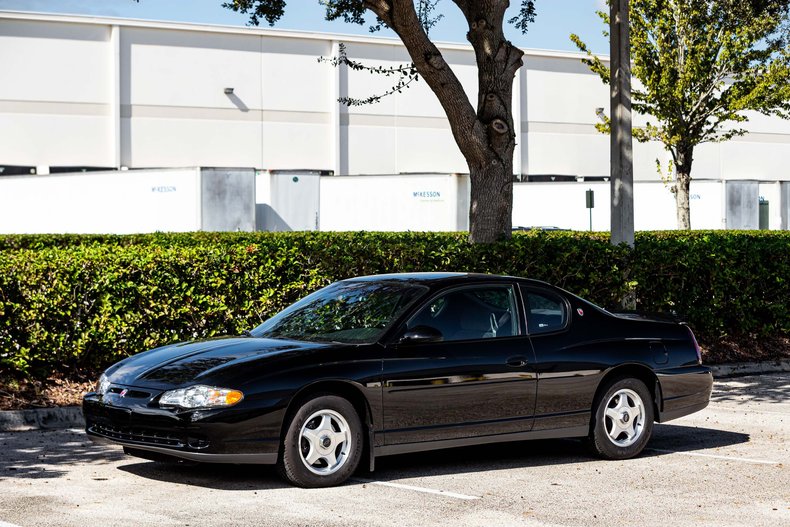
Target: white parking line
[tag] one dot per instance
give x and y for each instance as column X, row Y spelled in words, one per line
column 4, row 524
column 727, row 458
column 417, row 489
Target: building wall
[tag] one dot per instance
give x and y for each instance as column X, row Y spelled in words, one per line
column 393, row 203
column 101, row 202
column 55, row 93
column 109, row 92
column 189, row 199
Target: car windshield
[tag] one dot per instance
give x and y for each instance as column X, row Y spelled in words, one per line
column 349, row 312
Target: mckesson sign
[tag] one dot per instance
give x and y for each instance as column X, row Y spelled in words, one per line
column 423, row 195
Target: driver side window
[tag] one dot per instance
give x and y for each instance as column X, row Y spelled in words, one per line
column 471, row 313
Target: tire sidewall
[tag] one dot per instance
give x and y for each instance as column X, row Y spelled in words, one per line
column 601, row 443
column 291, row 465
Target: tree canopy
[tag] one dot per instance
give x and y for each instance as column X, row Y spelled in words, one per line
column 485, row 134
column 702, row 64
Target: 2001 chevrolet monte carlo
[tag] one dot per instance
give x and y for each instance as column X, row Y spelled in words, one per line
column 398, row 363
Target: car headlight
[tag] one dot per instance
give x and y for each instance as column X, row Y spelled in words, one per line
column 103, row 385
column 201, row 397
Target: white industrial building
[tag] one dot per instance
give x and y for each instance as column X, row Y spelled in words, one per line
column 85, row 93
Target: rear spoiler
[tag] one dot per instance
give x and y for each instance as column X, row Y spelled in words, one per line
column 642, row 315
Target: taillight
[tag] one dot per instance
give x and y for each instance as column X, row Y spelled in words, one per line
column 696, row 345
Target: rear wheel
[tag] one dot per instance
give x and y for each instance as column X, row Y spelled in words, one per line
column 323, row 443
column 623, row 420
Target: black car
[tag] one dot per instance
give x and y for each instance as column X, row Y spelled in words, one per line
column 388, row 364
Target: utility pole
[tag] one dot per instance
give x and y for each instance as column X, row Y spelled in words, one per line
column 622, row 161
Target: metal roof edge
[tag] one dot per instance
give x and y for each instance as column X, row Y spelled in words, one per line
column 256, row 31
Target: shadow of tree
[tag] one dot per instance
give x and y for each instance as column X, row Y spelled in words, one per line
column 45, row 454
column 763, row 388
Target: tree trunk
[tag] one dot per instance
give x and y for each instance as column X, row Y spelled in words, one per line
column 491, row 205
column 486, row 136
column 683, row 161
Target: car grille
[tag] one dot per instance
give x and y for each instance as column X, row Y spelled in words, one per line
column 138, row 435
column 129, row 394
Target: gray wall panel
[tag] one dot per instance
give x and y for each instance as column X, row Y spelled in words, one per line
column 743, row 204
column 227, row 199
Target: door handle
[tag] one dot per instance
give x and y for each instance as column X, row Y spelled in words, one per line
column 516, row 362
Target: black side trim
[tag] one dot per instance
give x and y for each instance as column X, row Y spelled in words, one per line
column 575, row 431
column 458, row 425
column 561, row 414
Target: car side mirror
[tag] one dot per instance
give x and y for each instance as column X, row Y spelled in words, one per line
column 421, row 335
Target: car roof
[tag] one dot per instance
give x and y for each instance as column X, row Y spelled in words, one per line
column 433, row 278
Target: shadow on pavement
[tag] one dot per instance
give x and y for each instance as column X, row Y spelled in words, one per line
column 690, row 438
column 528, row 454
column 48, row 454
column 211, row 476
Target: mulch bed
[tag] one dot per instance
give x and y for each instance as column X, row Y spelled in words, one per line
column 55, row 391
column 745, row 350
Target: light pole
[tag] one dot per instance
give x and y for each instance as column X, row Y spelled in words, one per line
column 622, row 162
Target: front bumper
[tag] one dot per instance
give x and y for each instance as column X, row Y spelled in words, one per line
column 231, row 435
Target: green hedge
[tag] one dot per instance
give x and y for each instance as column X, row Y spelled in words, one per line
column 82, row 302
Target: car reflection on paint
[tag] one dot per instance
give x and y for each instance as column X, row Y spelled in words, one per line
column 381, row 365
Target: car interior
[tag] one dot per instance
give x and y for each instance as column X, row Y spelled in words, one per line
column 470, row 314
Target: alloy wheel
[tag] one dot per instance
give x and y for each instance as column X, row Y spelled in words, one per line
column 324, row 442
column 624, row 417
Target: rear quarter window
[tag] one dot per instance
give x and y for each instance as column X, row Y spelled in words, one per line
column 546, row 311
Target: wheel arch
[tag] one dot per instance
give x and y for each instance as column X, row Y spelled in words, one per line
column 345, row 389
column 636, row 371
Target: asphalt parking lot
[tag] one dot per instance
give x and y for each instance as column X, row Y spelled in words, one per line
column 726, row 465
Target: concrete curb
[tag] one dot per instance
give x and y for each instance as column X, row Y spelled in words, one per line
column 41, row 419
column 737, row 369
column 71, row 416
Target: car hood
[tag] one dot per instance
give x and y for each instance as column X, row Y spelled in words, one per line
column 203, row 362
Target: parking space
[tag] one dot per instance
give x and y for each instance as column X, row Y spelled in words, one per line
column 726, row 465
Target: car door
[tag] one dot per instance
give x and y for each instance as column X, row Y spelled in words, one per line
column 476, row 379
column 567, row 372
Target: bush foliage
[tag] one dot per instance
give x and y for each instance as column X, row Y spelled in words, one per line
column 72, row 302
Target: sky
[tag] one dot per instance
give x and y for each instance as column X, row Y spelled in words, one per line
column 556, row 19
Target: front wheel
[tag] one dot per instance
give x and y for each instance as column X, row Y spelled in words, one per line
column 623, row 420
column 323, row 444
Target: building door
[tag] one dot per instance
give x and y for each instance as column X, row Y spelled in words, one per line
column 294, row 203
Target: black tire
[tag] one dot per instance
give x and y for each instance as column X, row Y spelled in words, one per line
column 622, row 438
column 293, row 465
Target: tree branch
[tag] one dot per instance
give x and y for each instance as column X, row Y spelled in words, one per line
column 467, row 130
column 381, row 8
